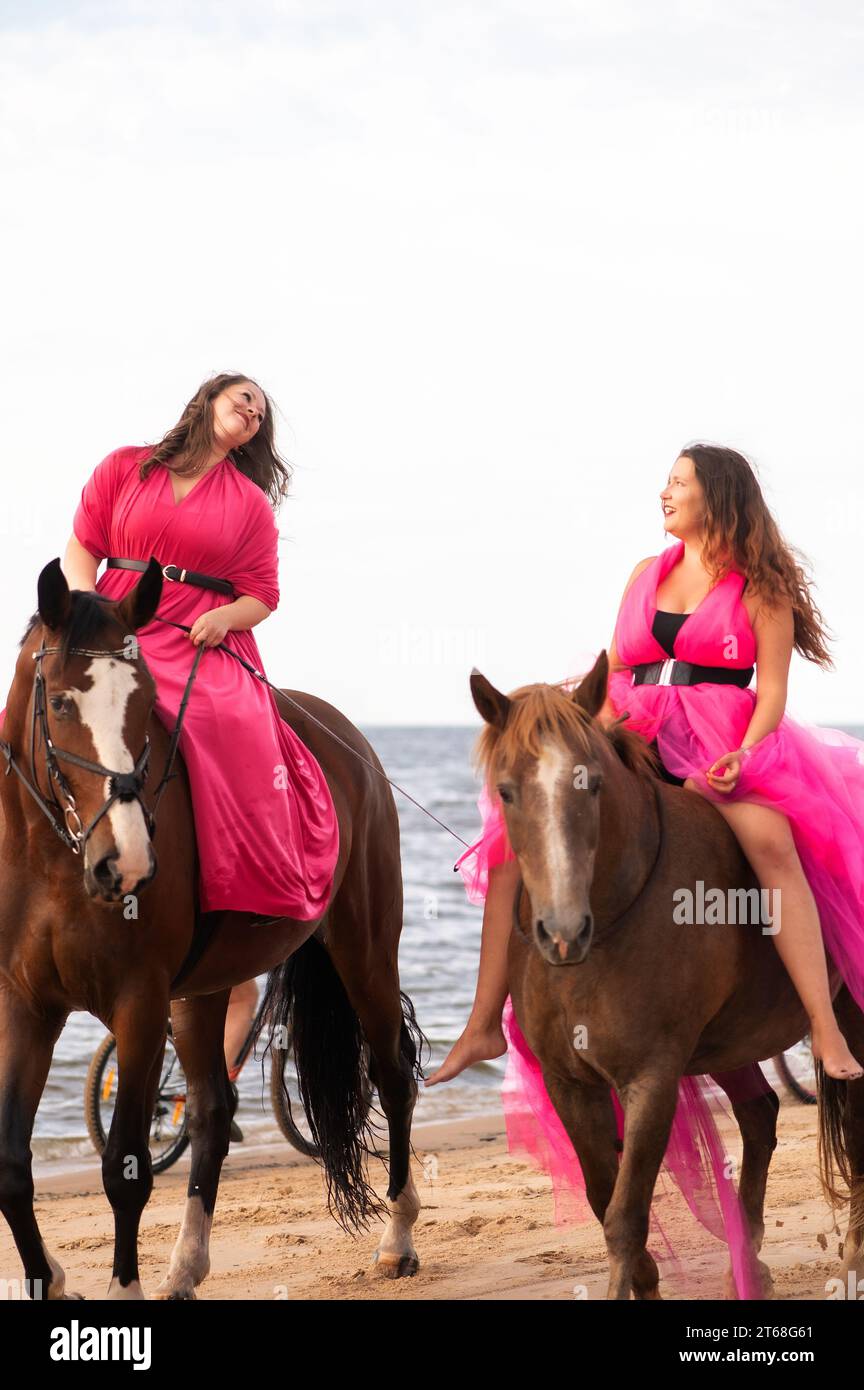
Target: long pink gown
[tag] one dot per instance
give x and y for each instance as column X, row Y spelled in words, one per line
column 815, row 776
column 265, row 823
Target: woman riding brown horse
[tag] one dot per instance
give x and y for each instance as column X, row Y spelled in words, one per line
column 98, row 913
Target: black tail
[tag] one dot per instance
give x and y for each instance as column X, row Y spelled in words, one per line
column 412, row 1040
column 306, row 998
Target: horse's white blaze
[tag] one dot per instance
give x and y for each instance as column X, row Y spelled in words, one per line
column 554, row 781
column 102, row 710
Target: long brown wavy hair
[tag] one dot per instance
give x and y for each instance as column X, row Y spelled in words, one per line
column 741, row 534
column 193, row 437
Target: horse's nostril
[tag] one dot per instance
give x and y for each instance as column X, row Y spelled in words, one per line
column 105, row 872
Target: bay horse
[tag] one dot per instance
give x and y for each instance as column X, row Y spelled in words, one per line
column 594, row 946
column 111, row 929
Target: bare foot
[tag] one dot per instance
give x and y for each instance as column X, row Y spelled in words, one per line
column 835, row 1056
column 475, row 1045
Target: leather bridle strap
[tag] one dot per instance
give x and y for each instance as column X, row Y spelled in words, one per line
column 661, row 825
column 122, row 786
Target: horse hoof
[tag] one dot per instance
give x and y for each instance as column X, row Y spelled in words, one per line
column 764, row 1279
column 395, row 1266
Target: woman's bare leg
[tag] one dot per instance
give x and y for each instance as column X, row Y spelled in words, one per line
column 482, row 1037
column 241, row 1010
column 766, row 839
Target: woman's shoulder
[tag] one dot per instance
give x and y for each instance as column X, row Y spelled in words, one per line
column 643, row 565
column 125, row 457
column 639, row 569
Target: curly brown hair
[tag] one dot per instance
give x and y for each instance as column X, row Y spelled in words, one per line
column 193, row 437
column 741, row 534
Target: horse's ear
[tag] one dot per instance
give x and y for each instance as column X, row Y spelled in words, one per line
column 139, row 605
column 491, row 704
column 54, row 601
column 590, row 693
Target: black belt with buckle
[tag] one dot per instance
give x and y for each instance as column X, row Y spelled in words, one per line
column 672, row 672
column 174, row 572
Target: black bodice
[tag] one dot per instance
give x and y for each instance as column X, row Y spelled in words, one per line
column 665, row 628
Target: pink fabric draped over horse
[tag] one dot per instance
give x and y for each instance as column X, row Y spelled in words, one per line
column 815, row 776
column 265, row 822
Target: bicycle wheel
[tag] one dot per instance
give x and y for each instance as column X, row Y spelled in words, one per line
column 168, row 1133
column 797, row 1072
column 285, row 1098
column 287, row 1105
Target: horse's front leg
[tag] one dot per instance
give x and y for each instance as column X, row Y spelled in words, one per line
column 26, row 1048
column 649, row 1103
column 199, row 1031
column 587, row 1114
column 139, row 1026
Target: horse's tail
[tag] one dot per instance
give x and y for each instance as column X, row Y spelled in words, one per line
column 306, row 998
column 835, row 1160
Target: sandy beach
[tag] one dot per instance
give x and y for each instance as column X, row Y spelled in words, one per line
column 486, row 1230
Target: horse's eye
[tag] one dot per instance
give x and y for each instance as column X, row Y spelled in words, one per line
column 595, row 784
column 505, row 794
column 60, row 704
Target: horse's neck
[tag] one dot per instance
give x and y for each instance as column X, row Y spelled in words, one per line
column 628, row 842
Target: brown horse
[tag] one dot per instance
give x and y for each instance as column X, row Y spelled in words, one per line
column 603, row 844
column 111, row 929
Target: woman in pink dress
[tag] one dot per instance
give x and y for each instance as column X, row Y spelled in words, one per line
column 202, row 500
column 729, row 594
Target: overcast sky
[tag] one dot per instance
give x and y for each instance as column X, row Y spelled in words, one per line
column 495, row 262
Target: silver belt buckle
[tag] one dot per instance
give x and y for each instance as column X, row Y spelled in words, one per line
column 170, row 577
column 665, row 677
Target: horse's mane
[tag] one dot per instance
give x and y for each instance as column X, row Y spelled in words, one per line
column 87, row 620
column 537, row 711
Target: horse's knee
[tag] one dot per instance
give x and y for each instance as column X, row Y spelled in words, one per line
column 625, row 1232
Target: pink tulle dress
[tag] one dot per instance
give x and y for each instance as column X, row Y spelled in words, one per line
column 814, row 776
column 265, row 822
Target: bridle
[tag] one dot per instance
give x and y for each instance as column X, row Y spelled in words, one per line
column 661, row 839
column 127, row 786
column 122, row 786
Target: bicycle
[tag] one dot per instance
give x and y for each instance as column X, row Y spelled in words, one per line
column 169, row 1135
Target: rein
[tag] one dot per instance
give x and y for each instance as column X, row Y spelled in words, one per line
column 129, row 786
column 259, row 675
column 122, row 786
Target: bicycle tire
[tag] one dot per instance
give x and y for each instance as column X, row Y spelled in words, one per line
column 282, row 1108
column 280, row 1101
column 797, row 1088
column 93, row 1115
